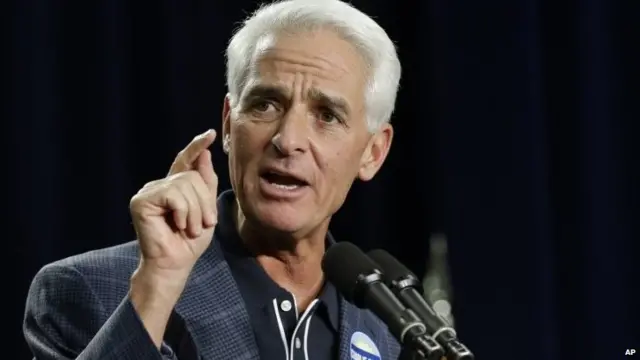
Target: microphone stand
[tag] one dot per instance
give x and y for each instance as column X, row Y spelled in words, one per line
column 422, row 347
column 444, row 335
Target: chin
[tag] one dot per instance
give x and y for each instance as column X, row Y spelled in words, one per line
column 281, row 217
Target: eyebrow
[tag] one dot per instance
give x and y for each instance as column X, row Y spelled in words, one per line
column 281, row 93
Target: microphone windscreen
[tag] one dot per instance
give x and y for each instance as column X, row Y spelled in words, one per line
column 392, row 268
column 343, row 264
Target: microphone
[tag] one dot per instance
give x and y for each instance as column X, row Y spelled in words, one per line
column 355, row 276
column 406, row 286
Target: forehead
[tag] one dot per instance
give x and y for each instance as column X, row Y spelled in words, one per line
column 319, row 59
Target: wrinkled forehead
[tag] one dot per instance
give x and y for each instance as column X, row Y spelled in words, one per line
column 320, row 58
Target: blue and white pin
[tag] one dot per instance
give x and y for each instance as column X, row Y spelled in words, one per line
column 363, row 348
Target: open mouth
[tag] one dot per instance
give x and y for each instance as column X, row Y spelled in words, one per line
column 282, row 181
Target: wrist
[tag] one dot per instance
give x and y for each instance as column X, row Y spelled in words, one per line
column 154, row 295
column 157, row 287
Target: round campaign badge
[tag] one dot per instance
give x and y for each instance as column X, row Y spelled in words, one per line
column 363, row 348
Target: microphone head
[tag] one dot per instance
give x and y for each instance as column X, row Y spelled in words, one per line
column 348, row 269
column 396, row 275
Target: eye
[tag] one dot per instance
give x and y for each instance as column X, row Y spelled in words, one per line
column 262, row 106
column 328, row 116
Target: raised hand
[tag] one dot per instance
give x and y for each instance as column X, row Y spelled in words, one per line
column 174, row 219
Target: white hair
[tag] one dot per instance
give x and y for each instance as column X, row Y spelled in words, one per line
column 368, row 38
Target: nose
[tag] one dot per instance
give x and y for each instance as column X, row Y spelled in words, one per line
column 293, row 133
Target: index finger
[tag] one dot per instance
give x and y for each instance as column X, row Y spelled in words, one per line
column 187, row 156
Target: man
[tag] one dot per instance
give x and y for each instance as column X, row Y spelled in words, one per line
column 312, row 85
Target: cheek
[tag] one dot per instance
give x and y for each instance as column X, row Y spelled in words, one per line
column 245, row 140
column 238, row 154
column 248, row 141
column 340, row 168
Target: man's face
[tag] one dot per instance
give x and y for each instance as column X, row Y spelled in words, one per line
column 298, row 137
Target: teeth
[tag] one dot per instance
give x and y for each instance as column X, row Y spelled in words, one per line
column 286, row 187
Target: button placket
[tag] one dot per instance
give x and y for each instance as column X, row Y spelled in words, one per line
column 296, row 350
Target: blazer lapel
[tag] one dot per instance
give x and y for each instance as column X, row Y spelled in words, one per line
column 214, row 312
column 361, row 333
column 348, row 320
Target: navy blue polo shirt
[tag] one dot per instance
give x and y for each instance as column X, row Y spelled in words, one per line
column 281, row 332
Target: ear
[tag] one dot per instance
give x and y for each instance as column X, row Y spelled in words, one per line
column 226, row 117
column 376, row 152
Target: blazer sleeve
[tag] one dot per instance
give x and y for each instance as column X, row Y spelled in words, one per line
column 65, row 320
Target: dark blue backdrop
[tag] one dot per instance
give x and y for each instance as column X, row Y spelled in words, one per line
column 515, row 137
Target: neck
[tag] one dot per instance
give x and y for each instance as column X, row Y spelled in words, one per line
column 293, row 262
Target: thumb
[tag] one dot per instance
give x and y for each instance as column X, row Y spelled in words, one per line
column 204, row 167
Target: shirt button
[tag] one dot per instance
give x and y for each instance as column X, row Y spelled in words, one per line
column 285, row 305
column 298, row 343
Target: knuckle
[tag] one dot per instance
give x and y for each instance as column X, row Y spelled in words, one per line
column 180, row 157
column 134, row 202
column 181, row 154
column 182, row 190
column 138, row 203
column 172, row 190
column 144, row 195
column 179, row 203
column 178, row 166
column 150, row 184
column 193, row 177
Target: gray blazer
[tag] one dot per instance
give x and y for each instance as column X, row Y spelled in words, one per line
column 78, row 308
